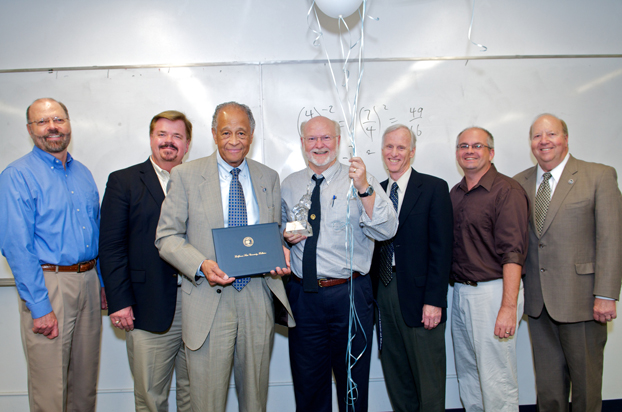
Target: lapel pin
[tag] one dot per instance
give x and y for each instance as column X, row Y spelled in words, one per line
column 312, row 217
column 571, row 181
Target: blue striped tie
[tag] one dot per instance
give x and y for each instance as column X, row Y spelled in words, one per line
column 237, row 215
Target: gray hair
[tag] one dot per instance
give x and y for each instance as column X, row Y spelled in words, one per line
column 490, row 141
column 564, row 125
column 335, row 123
column 245, row 108
column 391, row 129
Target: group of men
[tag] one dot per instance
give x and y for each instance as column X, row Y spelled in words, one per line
column 556, row 227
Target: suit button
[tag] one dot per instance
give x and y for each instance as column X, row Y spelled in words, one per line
column 542, row 270
column 540, row 245
column 218, row 290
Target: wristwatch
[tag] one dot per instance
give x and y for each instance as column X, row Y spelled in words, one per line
column 368, row 192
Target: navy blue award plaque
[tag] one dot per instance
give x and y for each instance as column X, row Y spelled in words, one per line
column 249, row 250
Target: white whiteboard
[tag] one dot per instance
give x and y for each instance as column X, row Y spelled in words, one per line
column 111, row 109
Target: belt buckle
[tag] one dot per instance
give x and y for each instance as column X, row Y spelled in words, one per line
column 470, row 283
column 319, row 283
column 80, row 266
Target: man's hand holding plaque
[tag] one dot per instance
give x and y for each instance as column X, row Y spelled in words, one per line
column 214, row 275
column 286, row 270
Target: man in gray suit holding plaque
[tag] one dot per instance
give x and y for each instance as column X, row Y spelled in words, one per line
column 226, row 322
column 574, row 267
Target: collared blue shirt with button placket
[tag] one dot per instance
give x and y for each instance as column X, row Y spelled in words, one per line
column 48, row 214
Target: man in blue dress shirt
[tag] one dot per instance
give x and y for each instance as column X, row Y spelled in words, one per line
column 49, row 215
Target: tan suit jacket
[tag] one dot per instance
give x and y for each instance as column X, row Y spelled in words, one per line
column 192, row 208
column 578, row 255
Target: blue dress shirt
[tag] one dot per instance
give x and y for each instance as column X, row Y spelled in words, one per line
column 48, row 214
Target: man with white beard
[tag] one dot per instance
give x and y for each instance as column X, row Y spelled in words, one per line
column 322, row 276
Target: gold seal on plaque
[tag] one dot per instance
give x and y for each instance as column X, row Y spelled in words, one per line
column 248, row 241
column 312, row 217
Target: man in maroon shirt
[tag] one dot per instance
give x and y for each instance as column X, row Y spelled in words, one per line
column 491, row 214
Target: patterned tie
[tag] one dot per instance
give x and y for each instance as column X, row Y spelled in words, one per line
column 543, row 199
column 309, row 256
column 386, row 252
column 237, row 215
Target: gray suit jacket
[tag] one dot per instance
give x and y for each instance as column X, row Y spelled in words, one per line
column 578, row 254
column 192, row 208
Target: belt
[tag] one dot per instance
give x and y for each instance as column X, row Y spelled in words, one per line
column 466, row 282
column 324, row 283
column 78, row 267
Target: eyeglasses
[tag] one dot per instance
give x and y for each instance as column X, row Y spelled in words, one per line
column 324, row 139
column 475, row 146
column 59, row 121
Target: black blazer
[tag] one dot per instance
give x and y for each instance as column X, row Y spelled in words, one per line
column 131, row 267
column 423, row 247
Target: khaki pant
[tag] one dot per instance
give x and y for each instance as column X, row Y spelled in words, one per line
column 62, row 372
column 153, row 356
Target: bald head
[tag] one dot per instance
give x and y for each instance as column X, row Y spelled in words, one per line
column 549, row 141
column 45, row 99
column 49, row 127
column 323, row 120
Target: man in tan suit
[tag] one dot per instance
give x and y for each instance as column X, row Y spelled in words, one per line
column 224, row 323
column 574, row 267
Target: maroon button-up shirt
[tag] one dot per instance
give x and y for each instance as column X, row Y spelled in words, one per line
column 490, row 227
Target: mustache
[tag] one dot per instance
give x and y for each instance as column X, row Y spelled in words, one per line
column 168, row 145
column 53, row 132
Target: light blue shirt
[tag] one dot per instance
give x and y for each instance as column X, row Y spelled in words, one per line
column 48, row 214
column 332, row 252
column 225, row 176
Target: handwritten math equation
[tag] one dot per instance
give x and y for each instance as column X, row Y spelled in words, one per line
column 372, row 120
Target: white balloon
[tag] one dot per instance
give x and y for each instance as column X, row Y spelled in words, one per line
column 336, row 8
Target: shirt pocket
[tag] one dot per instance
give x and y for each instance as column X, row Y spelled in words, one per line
column 336, row 214
column 92, row 203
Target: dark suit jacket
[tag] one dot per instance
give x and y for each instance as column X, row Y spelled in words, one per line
column 423, row 247
column 131, row 267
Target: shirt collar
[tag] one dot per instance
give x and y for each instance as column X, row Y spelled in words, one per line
column 48, row 158
column 226, row 167
column 402, row 182
column 556, row 173
column 159, row 171
column 329, row 174
column 485, row 181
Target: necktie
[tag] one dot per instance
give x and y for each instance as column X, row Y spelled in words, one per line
column 386, row 253
column 543, row 198
column 309, row 256
column 237, row 214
